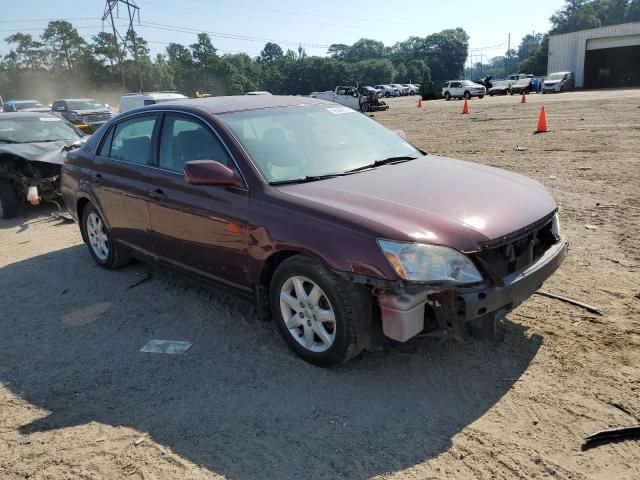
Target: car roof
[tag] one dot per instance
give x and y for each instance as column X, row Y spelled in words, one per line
column 238, row 103
column 156, row 95
column 22, row 101
column 75, row 100
column 26, row 115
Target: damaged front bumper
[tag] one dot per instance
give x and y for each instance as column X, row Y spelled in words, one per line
column 463, row 312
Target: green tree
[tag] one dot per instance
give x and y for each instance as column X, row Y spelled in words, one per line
column 536, row 62
column 576, row 15
column 633, row 11
column 401, row 73
column 365, row 49
column 64, row 42
column 271, row 52
column 29, row 53
column 446, row 53
column 528, row 43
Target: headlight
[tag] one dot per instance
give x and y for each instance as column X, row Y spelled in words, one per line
column 429, row 263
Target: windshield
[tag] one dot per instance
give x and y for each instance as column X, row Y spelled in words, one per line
column 468, row 83
column 291, row 143
column 25, row 105
column 36, row 129
column 85, row 105
column 556, row 76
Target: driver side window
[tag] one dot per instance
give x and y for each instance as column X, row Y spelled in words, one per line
column 184, row 139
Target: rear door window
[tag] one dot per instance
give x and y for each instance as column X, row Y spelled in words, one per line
column 131, row 140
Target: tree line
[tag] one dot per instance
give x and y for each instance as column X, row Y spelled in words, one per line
column 532, row 53
column 61, row 63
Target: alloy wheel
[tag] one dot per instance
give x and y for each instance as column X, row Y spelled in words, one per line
column 308, row 314
column 97, row 236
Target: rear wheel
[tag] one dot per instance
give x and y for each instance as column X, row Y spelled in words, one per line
column 316, row 311
column 9, row 201
column 98, row 238
column 480, row 96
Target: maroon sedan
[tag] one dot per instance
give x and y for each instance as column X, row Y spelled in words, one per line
column 338, row 227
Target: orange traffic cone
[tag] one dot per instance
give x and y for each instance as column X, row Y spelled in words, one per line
column 542, row 122
column 465, row 107
column 524, row 98
column 420, row 102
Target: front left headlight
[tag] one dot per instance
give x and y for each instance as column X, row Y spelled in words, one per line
column 429, row 263
column 555, row 226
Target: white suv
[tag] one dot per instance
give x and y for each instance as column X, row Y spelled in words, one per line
column 463, row 89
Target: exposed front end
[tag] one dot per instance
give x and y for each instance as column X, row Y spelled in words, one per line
column 512, row 269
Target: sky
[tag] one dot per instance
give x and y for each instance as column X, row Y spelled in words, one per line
column 315, row 25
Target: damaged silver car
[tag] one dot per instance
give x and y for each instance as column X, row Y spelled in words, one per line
column 32, row 149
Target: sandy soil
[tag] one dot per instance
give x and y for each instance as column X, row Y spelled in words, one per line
column 78, row 400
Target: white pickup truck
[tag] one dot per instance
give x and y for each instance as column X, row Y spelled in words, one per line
column 352, row 98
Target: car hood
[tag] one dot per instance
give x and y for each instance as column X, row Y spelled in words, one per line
column 36, row 109
column 48, row 152
column 431, row 200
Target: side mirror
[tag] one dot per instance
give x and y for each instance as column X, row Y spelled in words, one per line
column 210, row 172
column 354, row 94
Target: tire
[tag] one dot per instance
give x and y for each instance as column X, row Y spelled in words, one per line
column 467, row 96
column 114, row 256
column 480, row 96
column 447, row 96
column 364, row 108
column 317, row 342
column 9, row 201
column 387, row 94
column 491, row 94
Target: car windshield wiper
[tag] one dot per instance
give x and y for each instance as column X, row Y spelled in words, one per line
column 384, row 161
column 5, row 140
column 308, row 178
column 314, row 178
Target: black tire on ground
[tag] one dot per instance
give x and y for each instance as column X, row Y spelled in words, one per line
column 387, row 94
column 447, row 96
column 117, row 256
column 412, row 92
column 9, row 201
column 491, row 94
column 364, row 107
column 467, row 96
column 480, row 96
column 349, row 302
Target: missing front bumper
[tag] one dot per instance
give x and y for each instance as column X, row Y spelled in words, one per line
column 464, row 312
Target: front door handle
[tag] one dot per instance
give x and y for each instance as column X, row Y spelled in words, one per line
column 157, row 193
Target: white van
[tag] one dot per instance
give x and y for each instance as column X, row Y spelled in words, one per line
column 137, row 100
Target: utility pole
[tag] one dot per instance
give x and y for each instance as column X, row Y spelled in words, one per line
column 132, row 11
column 509, row 52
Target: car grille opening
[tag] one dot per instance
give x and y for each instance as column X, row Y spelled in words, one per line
column 515, row 254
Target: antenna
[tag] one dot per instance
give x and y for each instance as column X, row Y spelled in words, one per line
column 132, row 11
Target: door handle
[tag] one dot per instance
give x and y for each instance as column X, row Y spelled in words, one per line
column 157, row 193
column 97, row 178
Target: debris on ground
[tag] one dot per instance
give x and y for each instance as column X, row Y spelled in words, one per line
column 590, row 227
column 578, row 303
column 611, row 435
column 170, row 347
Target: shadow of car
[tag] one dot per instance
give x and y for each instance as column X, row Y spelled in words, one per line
column 237, row 403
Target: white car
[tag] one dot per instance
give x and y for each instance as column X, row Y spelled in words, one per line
column 413, row 89
column 387, row 91
column 463, row 89
column 403, row 90
column 137, row 100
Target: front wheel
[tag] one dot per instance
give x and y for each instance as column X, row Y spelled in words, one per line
column 447, row 96
column 9, row 201
column 316, row 311
column 480, row 96
column 364, row 108
column 467, row 96
column 387, row 94
column 98, row 238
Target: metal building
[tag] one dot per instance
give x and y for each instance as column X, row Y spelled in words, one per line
column 600, row 57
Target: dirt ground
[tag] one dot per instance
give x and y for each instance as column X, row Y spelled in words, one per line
column 79, row 401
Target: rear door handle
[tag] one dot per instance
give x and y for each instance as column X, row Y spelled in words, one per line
column 157, row 193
